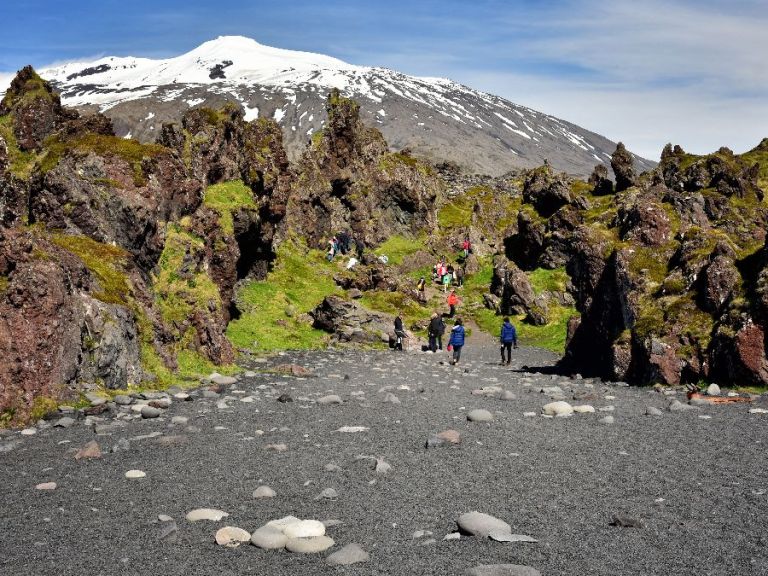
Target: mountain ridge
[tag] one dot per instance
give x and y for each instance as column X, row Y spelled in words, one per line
column 435, row 118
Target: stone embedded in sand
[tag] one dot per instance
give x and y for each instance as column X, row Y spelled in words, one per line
column 677, row 406
column 206, row 514
column 304, row 529
column 220, row 380
column 309, row 545
column 29, row 432
column 502, row 570
column 264, row 492
column 46, row 486
column 607, row 420
column 148, row 411
column 584, row 409
column 134, row 474
column 89, row 451
column 713, row 390
column 652, row 411
column 293, row 370
column 480, row 524
column 559, row 408
column 758, row 411
column 123, row 400
column 352, row 429
column 330, row 399
column 479, row 415
column 382, row 467
column 276, row 447
column 350, row 554
column 450, row 436
column 502, row 536
column 328, row 493
column 231, row 536
column 269, row 538
column 391, row 398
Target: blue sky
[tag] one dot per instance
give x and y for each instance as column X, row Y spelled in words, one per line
column 645, row 72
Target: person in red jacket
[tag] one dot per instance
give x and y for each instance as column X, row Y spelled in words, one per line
column 452, row 301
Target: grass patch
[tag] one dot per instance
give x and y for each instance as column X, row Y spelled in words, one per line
column 396, row 248
column 543, row 280
column 107, row 263
column 272, row 310
column 226, row 198
column 20, row 163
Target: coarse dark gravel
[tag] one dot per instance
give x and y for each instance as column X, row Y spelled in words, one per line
column 697, row 486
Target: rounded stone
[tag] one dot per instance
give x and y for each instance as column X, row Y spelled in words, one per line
column 222, row 380
column 502, row 570
column 713, row 390
column 206, row 514
column 559, row 408
column 479, row 415
column 652, row 411
column 584, row 409
column 231, row 536
column 480, row 524
column 264, row 492
column 123, row 400
column 305, row 528
column 309, row 545
column 607, row 420
column 350, row 554
column 269, row 538
column 46, row 486
column 331, row 399
column 150, row 412
column 134, row 474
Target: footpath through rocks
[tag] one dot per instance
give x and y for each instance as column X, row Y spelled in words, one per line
column 390, row 463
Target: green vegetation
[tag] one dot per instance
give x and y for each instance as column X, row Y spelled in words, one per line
column 21, row 163
column 106, row 262
column 273, row 310
column 396, row 248
column 41, row 406
column 131, row 151
column 33, row 89
column 179, row 290
column 226, row 198
column 494, row 209
column 3, row 285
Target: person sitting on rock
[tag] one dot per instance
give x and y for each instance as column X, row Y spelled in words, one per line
column 452, row 301
column 508, row 339
column 399, row 333
column 456, row 342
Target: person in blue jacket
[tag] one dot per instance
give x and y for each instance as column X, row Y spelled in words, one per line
column 508, row 339
column 457, row 340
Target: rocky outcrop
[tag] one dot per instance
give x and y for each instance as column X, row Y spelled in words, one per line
column 347, row 180
column 545, row 191
column 349, row 322
column 623, row 168
column 599, row 181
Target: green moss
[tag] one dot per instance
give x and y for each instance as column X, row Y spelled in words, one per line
column 179, row 292
column 396, row 248
column 42, row 406
column 226, row 198
column 3, row 285
column 580, row 188
column 543, row 280
column 273, row 310
column 131, row 151
column 21, row 163
column 106, row 262
column 33, row 89
column 394, row 302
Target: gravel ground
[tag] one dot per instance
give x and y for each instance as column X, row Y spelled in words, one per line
column 697, row 485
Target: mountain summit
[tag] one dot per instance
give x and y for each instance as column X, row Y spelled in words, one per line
column 433, row 117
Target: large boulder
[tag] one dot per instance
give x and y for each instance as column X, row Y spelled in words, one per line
column 351, row 322
column 546, row 191
column 622, row 163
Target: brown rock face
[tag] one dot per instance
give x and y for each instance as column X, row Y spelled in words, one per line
column 36, row 109
column 347, row 180
column 56, row 329
column 623, row 168
column 546, row 191
column 642, row 218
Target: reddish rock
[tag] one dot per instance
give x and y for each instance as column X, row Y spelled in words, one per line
column 89, row 452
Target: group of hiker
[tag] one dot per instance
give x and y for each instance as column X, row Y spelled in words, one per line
column 436, row 330
column 341, row 243
column 446, row 275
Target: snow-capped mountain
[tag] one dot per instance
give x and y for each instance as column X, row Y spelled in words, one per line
column 434, row 117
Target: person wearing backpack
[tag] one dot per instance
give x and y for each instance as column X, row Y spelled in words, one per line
column 399, row 333
column 508, row 339
column 456, row 342
column 422, row 287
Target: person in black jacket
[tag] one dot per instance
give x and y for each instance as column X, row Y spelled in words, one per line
column 436, row 330
column 399, row 333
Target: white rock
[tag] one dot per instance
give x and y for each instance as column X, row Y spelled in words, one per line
column 558, row 408
column 222, row 380
column 309, row 545
column 281, row 523
column 480, row 524
column 452, row 536
column 529, row 414
column 509, row 537
column 350, row 554
column 46, row 486
column 179, row 420
column 206, row 514
column 264, row 492
column 584, row 409
column 304, row 529
column 479, row 415
column 713, row 390
column 758, row 411
column 330, row 399
column 29, row 432
column 352, row 429
column 606, row 420
column 231, row 536
column 133, row 474
column 328, row 493
column 382, row 467
column 269, row 538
